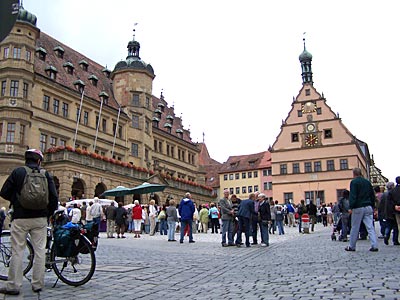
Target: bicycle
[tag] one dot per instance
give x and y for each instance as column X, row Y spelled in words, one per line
column 75, row 270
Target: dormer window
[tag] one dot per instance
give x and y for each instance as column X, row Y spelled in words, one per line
column 157, row 113
column 179, row 132
column 84, row 65
column 79, row 85
column 41, row 52
column 104, row 97
column 69, row 67
column 161, row 106
column 93, row 79
column 170, row 119
column 59, row 51
column 156, row 121
column 168, row 127
column 106, row 72
column 51, row 71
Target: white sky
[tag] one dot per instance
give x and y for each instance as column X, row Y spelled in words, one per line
column 231, row 67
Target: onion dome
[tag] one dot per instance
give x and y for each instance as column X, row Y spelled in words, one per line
column 26, row 16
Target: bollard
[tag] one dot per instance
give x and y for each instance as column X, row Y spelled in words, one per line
column 305, row 222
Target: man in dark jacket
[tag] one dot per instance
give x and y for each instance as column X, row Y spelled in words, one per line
column 394, row 195
column 362, row 202
column 186, row 211
column 389, row 215
column 312, row 212
column 24, row 221
column 264, row 213
column 245, row 213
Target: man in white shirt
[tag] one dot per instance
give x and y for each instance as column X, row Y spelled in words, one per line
column 75, row 214
column 96, row 211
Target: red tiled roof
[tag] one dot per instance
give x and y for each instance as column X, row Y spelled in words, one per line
column 67, row 80
column 246, row 162
column 210, row 166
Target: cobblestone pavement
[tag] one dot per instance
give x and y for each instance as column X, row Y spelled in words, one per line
column 295, row 266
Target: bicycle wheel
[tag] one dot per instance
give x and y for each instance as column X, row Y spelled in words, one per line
column 78, row 269
column 5, row 255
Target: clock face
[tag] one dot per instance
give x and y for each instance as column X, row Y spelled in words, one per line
column 310, row 127
column 311, row 140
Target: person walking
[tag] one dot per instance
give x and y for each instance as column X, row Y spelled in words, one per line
column 291, row 211
column 203, row 216
column 186, row 211
column 111, row 214
column 394, row 197
column 172, row 218
column 362, row 201
column 75, row 214
column 389, row 215
column 162, row 218
column 312, row 212
column 32, row 221
column 120, row 220
column 227, row 219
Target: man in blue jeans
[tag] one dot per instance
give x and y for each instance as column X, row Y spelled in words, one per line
column 227, row 213
column 362, row 202
column 245, row 213
column 186, row 211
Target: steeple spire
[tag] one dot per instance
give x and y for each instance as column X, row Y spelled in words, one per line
column 133, row 46
column 305, row 61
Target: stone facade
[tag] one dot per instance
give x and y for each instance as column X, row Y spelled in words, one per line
column 99, row 128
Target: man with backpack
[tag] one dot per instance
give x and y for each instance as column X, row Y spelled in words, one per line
column 33, row 198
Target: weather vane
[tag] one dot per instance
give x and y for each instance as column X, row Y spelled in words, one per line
column 134, row 30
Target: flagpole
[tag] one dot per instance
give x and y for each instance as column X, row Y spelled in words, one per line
column 115, row 133
column 98, row 124
column 79, row 116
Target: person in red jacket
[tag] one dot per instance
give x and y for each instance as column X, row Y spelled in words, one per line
column 137, row 218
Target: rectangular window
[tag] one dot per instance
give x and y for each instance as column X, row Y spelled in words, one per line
column 225, row 177
column 256, row 188
column 237, row 190
column 85, row 118
column 309, row 195
column 231, row 191
column 317, row 166
column 77, row 114
column 14, row 88
column 328, row 133
column 65, row 110
column 307, row 167
column 308, row 93
column 56, row 106
column 296, row 168
column 155, row 146
column 53, row 141
column 168, row 150
column 43, row 142
column 6, row 52
column 230, row 176
column 135, row 150
column 17, row 53
column 104, row 125
column 135, row 100
column 287, row 197
column 172, row 151
column 249, row 189
column 237, row 175
column 1, row 130
column 330, row 165
column 267, row 172
column 10, row 138
column 25, row 91
column 268, row 186
column 319, row 111
column 283, row 168
column 244, row 190
column 21, row 134
column 28, row 55
column 120, row 132
column 146, row 154
column 135, row 121
column 255, row 174
column 147, row 102
column 46, row 102
column 160, row 147
column 299, row 113
column 344, row 164
column 147, row 127
column 244, row 175
column 3, row 88
column 295, row 137
column 249, row 175
column 63, row 143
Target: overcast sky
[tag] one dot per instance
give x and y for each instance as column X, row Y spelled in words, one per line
column 231, row 68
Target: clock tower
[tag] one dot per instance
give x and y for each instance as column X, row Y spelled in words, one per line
column 314, row 153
